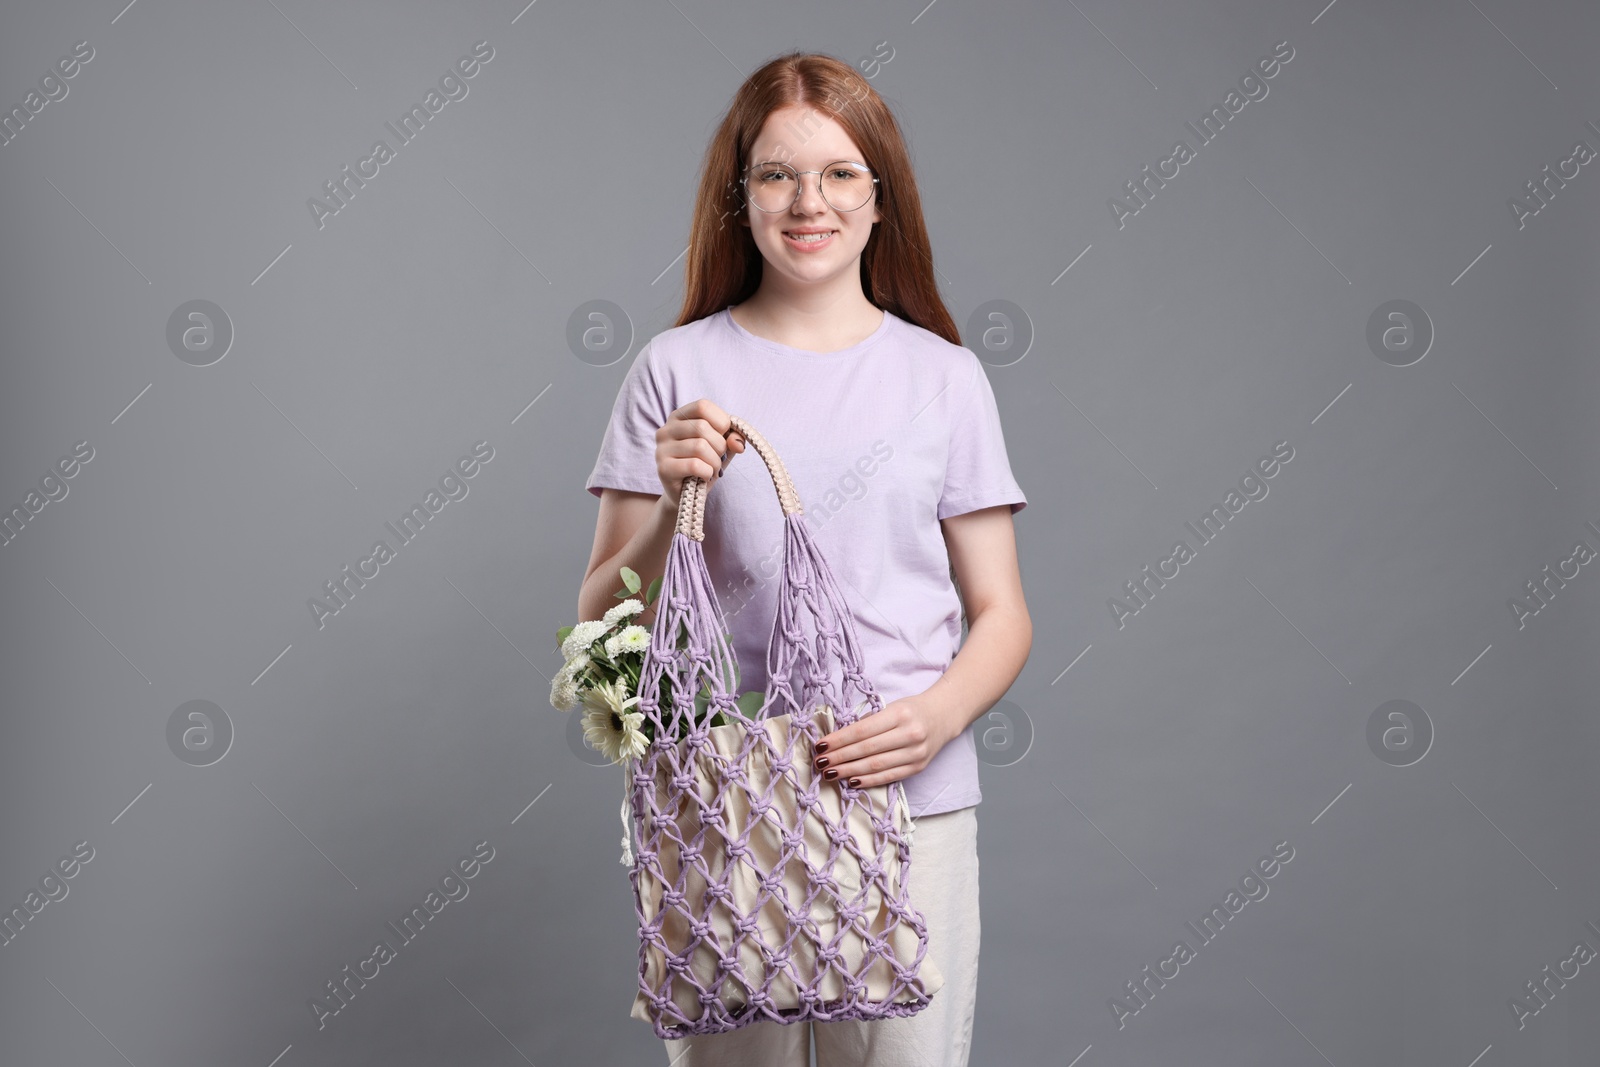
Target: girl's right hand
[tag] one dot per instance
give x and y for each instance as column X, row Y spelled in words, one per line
column 697, row 441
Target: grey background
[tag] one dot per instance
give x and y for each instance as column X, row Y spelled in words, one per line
column 433, row 311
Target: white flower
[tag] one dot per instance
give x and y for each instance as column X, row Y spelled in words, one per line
column 627, row 609
column 630, row 639
column 578, row 664
column 582, row 636
column 564, row 690
column 608, row 726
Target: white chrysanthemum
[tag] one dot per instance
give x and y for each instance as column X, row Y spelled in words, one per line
column 578, row 664
column 563, row 690
column 625, row 610
column 608, row 726
column 582, row 636
column 629, row 639
column 634, row 742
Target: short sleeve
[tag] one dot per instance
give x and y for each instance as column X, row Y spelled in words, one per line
column 627, row 457
column 977, row 470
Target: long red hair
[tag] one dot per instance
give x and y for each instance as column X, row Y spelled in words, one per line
column 724, row 265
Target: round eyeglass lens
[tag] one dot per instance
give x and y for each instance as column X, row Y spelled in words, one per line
column 774, row 186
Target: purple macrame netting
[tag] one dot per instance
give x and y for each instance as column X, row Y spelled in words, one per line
column 690, row 850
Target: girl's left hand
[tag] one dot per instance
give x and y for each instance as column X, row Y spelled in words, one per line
column 882, row 747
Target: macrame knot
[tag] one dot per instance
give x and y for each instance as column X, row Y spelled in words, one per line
column 745, row 924
column 700, row 929
column 716, row 891
column 870, row 870
column 839, row 833
column 828, row 954
column 738, row 850
column 690, row 854
column 793, row 839
column 683, row 782
column 851, row 912
column 671, row 897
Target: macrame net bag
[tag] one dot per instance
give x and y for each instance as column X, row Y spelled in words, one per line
column 763, row 890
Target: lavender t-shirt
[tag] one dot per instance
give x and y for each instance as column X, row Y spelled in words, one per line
column 882, row 440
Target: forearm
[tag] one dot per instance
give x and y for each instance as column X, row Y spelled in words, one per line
column 989, row 660
column 645, row 553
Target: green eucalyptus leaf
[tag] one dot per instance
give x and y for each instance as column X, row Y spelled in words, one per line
column 653, row 592
column 630, row 578
column 750, row 703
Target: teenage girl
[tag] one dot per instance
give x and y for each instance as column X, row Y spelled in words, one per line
column 810, row 310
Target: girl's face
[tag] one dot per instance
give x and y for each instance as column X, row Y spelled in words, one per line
column 807, row 140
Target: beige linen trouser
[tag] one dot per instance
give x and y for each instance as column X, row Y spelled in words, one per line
column 944, row 887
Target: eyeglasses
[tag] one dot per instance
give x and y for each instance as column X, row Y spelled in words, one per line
column 845, row 185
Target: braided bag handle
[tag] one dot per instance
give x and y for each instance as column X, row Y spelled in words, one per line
column 814, row 663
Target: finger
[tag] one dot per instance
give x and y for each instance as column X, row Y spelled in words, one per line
column 842, row 756
column 717, row 447
column 700, row 408
column 867, row 726
column 679, row 468
column 701, row 449
column 873, row 781
column 685, row 423
column 878, row 770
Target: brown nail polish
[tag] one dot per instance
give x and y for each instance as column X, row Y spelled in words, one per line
column 855, row 782
column 823, row 762
column 822, row 746
column 831, row 773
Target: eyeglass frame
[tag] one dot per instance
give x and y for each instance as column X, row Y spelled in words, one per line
column 800, row 185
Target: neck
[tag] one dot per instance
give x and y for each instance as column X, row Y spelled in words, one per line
column 824, row 318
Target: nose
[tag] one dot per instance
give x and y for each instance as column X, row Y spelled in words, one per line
column 810, row 201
